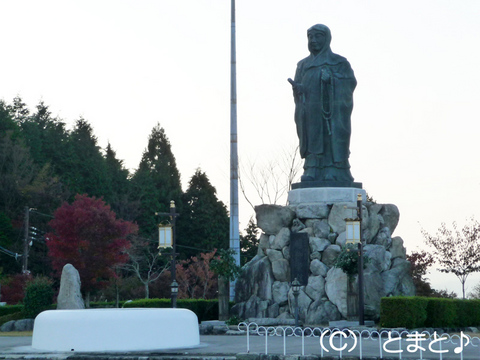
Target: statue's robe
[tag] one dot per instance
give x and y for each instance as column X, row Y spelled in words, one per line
column 312, row 128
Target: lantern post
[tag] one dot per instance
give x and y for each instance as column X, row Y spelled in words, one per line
column 167, row 238
column 354, row 236
column 296, row 291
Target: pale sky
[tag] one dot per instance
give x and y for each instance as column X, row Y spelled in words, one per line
column 126, row 65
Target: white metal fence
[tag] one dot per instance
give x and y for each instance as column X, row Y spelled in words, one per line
column 384, row 343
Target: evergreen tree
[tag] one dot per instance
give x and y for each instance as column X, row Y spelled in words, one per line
column 19, row 110
column 16, row 173
column 156, row 182
column 87, row 171
column 249, row 243
column 54, row 140
column 23, row 181
column 47, row 140
column 8, row 262
column 118, row 189
column 203, row 225
column 7, row 123
column 37, row 131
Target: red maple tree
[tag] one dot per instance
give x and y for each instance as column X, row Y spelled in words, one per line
column 88, row 235
column 195, row 278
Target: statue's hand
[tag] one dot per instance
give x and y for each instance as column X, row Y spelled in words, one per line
column 326, row 75
column 297, row 88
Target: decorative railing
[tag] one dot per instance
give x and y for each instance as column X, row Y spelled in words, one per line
column 383, row 343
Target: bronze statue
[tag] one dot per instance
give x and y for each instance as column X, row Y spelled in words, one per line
column 323, row 92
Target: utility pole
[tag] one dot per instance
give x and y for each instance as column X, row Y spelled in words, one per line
column 25, row 241
column 234, row 231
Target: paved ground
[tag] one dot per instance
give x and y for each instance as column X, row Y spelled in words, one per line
column 228, row 346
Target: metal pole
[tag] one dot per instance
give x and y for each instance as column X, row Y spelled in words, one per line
column 234, row 231
column 296, row 310
column 174, row 255
column 361, row 297
column 25, row 243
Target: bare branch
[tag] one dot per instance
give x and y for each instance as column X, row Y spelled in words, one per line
column 145, row 262
column 272, row 180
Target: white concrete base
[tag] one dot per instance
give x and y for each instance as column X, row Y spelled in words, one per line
column 325, row 195
column 115, row 330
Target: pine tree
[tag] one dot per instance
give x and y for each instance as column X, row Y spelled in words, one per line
column 19, row 110
column 156, row 182
column 249, row 243
column 86, row 171
column 118, row 186
column 8, row 263
column 203, row 225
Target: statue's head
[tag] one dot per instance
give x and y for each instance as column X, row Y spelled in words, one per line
column 319, row 38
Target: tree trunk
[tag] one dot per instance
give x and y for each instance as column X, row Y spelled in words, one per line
column 117, row 294
column 87, row 300
column 223, row 298
column 147, row 291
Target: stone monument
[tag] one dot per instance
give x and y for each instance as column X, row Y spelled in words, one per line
column 69, row 296
column 317, row 208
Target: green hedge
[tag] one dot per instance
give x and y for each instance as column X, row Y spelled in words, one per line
column 204, row 309
column 467, row 312
column 441, row 313
column 403, row 311
column 105, row 304
column 10, row 312
column 10, row 309
column 6, row 318
column 412, row 312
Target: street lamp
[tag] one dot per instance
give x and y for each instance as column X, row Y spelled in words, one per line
column 353, row 231
column 296, row 291
column 174, row 288
column 354, row 236
column 166, row 238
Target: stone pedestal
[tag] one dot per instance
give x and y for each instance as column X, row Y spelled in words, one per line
column 326, row 195
column 264, row 287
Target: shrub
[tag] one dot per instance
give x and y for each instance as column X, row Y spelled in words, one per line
column 441, row 313
column 463, row 311
column 104, row 304
column 437, row 312
column 10, row 312
column 474, row 312
column 13, row 288
column 233, row 320
column 403, row 311
column 347, row 260
column 38, row 297
column 10, row 309
column 6, row 318
column 204, row 309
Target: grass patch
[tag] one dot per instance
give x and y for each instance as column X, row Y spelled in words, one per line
column 16, row 333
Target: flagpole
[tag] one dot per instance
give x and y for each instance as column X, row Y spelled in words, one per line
column 234, row 221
